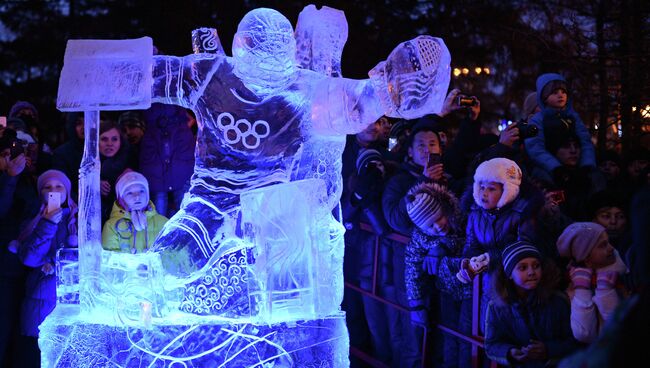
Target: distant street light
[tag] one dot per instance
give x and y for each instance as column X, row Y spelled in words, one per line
column 478, row 70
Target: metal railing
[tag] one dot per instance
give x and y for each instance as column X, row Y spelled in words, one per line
column 475, row 339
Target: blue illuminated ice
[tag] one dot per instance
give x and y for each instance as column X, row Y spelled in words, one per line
column 249, row 271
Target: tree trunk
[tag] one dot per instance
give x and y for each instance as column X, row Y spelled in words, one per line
column 626, row 76
column 602, row 75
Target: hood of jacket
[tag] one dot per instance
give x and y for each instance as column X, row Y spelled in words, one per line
column 545, row 79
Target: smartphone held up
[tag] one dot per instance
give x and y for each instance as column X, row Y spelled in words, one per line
column 434, row 159
column 53, row 201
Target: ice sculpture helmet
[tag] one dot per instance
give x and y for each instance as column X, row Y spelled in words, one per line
column 264, row 50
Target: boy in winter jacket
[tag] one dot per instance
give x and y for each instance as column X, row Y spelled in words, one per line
column 557, row 119
column 134, row 222
column 590, row 254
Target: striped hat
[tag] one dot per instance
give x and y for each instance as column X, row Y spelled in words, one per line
column 427, row 200
column 366, row 156
column 517, row 251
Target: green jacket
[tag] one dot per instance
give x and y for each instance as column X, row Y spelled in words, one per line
column 120, row 235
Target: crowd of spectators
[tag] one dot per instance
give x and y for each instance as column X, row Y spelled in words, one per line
column 554, row 231
column 147, row 159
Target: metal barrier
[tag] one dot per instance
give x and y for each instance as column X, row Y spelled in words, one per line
column 475, row 339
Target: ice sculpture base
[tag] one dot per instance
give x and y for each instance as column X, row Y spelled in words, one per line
column 68, row 339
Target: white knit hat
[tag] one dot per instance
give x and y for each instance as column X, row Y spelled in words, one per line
column 128, row 179
column 499, row 170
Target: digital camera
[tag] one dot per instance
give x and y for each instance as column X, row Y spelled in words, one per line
column 526, row 130
column 466, row 101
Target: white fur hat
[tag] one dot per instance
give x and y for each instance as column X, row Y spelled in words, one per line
column 499, row 170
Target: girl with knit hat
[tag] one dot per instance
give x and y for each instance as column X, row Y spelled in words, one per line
column 54, row 227
column 527, row 323
column 433, row 254
column 134, row 222
column 591, row 256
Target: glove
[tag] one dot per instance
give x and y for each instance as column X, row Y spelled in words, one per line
column 466, row 274
column 606, row 279
column 480, row 263
column 581, row 277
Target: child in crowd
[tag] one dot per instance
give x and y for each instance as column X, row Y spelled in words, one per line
column 54, row 227
column 499, row 215
column 527, row 323
column 134, row 222
column 586, row 246
column 557, row 114
column 434, row 251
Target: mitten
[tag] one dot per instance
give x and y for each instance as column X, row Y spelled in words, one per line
column 581, row 277
column 480, row 263
column 606, row 279
column 466, row 273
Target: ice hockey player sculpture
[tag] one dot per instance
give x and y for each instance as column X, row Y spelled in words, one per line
column 255, row 111
column 254, row 256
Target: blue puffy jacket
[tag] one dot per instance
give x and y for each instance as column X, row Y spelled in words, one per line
column 536, row 146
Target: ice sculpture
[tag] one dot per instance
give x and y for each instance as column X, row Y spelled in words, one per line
column 249, row 271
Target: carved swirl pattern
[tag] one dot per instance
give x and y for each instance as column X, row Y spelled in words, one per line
column 213, row 293
column 209, row 41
